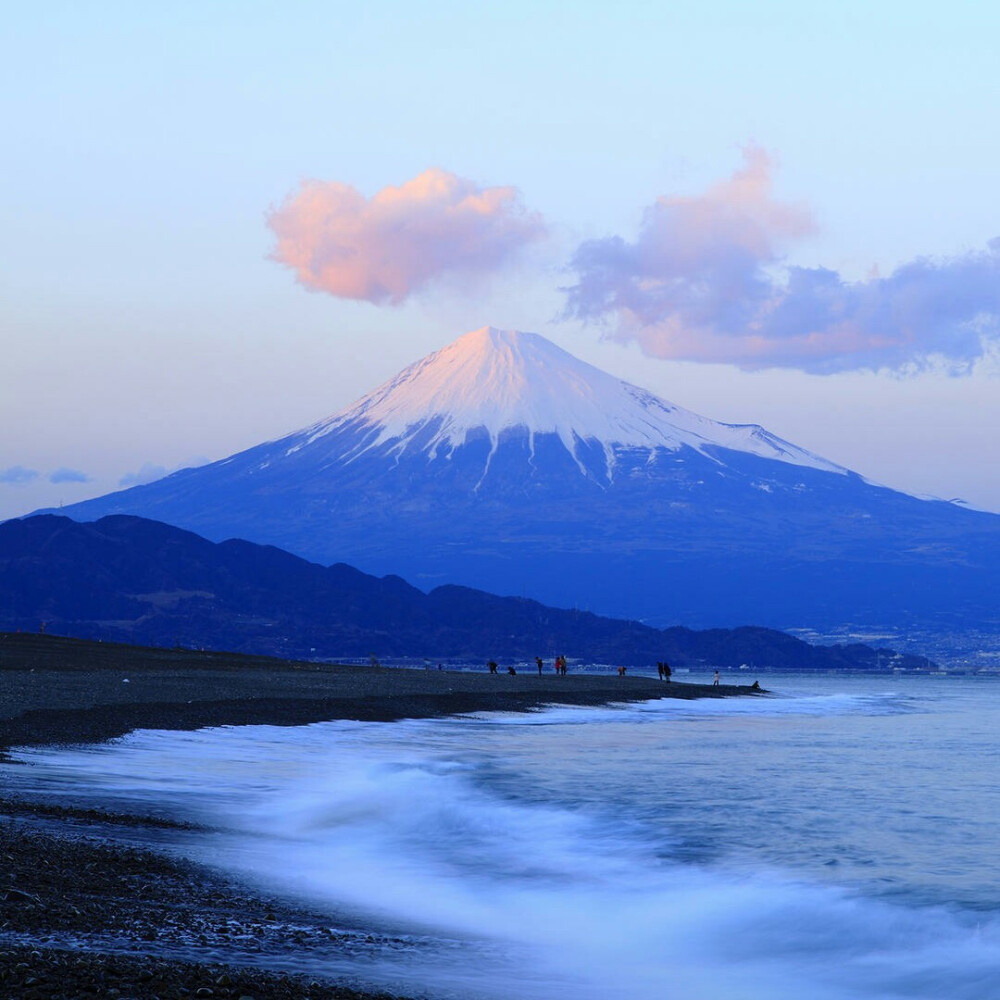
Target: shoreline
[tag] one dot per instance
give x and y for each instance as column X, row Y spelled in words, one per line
column 84, row 913
column 55, row 690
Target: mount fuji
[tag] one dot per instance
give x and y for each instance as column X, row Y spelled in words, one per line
column 504, row 463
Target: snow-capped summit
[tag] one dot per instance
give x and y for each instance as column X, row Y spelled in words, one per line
column 501, row 380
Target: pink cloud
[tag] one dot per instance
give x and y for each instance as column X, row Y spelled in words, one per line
column 704, row 281
column 385, row 248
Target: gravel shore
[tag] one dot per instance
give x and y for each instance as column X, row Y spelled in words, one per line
column 83, row 915
column 57, row 690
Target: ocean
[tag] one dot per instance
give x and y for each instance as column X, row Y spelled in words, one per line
column 838, row 839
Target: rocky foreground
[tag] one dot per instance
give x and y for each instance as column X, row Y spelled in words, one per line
column 82, row 917
column 85, row 914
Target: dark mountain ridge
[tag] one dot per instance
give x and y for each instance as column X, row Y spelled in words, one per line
column 130, row 579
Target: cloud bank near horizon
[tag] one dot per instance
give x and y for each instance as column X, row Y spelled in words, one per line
column 704, row 281
column 18, row 475
column 67, row 475
column 386, row 248
column 148, row 473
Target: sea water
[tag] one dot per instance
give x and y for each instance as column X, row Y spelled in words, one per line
column 838, row 839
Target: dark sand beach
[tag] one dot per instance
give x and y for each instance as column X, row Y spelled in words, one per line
column 81, row 914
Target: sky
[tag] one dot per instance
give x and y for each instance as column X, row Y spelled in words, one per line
column 220, row 222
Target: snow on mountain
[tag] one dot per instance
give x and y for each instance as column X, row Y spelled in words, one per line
column 500, row 380
column 460, row 470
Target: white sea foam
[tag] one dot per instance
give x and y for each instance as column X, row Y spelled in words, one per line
column 877, row 703
column 583, row 908
column 413, row 827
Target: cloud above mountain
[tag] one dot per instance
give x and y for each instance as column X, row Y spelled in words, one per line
column 385, row 248
column 705, row 280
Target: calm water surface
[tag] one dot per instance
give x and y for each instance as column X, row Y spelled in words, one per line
column 838, row 840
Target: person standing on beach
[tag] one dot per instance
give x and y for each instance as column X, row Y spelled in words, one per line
column 715, row 680
column 538, row 661
column 666, row 671
column 492, row 664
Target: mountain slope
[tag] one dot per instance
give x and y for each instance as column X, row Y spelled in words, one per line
column 504, row 463
column 130, row 579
